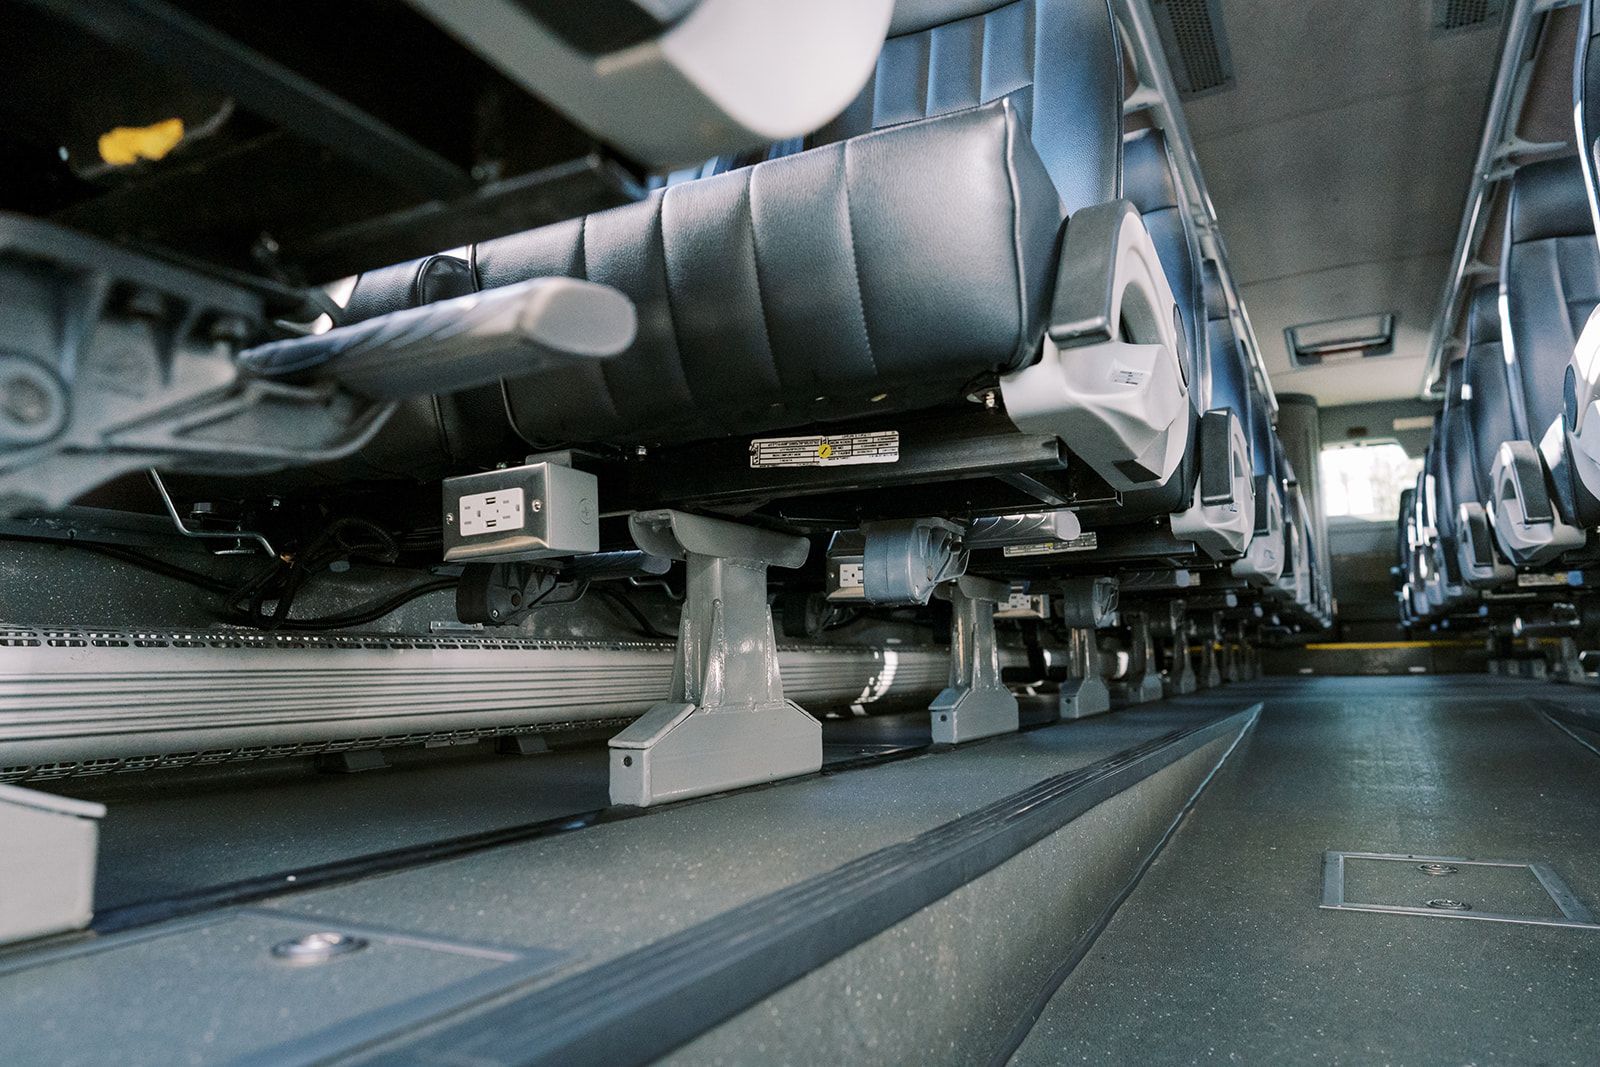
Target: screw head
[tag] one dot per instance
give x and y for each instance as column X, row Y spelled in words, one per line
column 318, row 947
column 1446, row 904
column 1437, row 869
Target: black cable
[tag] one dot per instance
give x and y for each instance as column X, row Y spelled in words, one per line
column 156, row 566
column 648, row 628
column 354, row 617
column 358, row 616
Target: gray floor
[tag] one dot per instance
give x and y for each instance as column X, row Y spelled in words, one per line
column 572, row 900
column 1221, row 955
column 172, row 833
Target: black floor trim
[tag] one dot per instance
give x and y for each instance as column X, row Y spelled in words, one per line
column 641, row 1005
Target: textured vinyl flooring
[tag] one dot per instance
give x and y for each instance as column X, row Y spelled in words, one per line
column 1222, row 955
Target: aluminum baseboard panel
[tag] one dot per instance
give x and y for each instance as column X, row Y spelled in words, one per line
column 74, row 702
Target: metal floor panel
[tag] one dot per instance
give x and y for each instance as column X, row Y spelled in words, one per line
column 1223, row 954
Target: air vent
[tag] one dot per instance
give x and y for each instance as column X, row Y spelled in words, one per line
column 1316, row 344
column 1197, row 49
column 1449, row 15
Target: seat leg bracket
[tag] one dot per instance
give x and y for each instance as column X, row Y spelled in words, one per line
column 725, row 722
column 976, row 703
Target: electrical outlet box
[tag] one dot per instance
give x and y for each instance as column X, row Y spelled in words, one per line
column 846, row 569
column 535, row 511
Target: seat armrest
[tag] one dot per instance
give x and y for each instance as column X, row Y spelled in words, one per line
column 1580, row 401
column 1526, row 524
column 456, row 344
column 1110, row 380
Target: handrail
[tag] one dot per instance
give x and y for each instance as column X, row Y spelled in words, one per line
column 1158, row 93
column 1498, row 146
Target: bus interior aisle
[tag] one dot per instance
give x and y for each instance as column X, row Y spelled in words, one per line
column 727, row 532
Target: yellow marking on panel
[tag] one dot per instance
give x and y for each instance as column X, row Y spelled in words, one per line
column 126, row 145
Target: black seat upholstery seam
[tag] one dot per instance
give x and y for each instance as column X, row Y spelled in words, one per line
column 855, row 264
column 666, row 292
column 755, row 269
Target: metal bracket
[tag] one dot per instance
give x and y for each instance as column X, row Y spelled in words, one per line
column 1086, row 605
column 1210, row 669
column 50, row 844
column 976, row 703
column 725, row 722
column 1142, row 683
column 1180, row 679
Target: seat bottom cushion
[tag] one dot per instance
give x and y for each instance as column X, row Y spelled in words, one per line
column 893, row 270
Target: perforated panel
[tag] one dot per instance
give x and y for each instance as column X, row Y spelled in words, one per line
column 1464, row 14
column 1197, row 51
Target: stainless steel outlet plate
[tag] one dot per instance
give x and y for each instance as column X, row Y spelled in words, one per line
column 1451, row 887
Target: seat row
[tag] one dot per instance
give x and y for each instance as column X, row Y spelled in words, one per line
column 963, row 343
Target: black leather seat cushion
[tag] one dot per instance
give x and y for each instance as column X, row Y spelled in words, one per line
column 887, row 271
column 906, row 259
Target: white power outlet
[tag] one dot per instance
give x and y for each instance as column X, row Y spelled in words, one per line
column 494, row 512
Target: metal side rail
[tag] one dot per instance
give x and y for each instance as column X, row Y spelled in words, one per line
column 77, row 702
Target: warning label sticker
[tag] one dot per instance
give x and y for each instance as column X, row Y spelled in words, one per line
column 1084, row 542
column 833, row 450
column 1538, row 581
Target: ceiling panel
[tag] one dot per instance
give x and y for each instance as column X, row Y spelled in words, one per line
column 1338, row 164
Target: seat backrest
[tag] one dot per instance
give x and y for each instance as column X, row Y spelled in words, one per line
column 1058, row 61
column 1456, row 460
column 1150, row 181
column 1485, row 393
column 1262, row 450
column 1402, row 534
column 1230, row 374
column 1549, row 283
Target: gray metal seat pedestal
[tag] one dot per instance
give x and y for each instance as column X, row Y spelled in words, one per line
column 976, row 703
column 1181, row 679
column 1085, row 693
column 1142, row 683
column 1210, row 668
column 725, row 722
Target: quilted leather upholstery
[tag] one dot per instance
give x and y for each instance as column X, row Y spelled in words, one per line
column 886, row 271
column 904, row 258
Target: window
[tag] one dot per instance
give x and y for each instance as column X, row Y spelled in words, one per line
column 1365, row 481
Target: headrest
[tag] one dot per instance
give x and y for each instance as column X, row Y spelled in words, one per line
column 1483, row 316
column 1549, row 199
column 914, row 16
column 1147, row 174
column 1216, row 297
